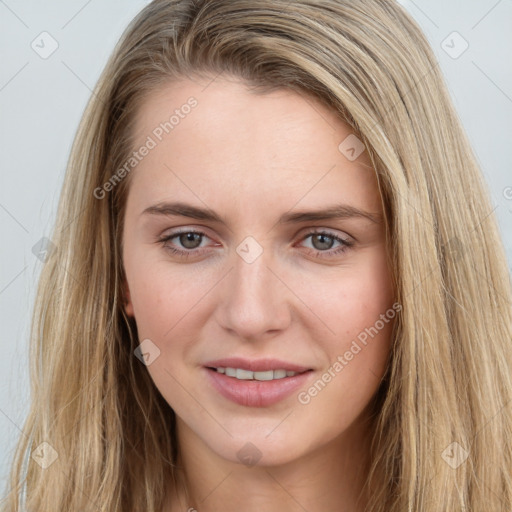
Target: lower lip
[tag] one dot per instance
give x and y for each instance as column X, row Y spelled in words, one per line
column 256, row 393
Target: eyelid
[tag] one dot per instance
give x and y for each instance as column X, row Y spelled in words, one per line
column 172, row 232
column 345, row 243
column 326, row 231
column 180, row 231
column 203, row 230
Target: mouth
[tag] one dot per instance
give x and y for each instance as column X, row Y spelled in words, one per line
column 265, row 375
column 256, row 383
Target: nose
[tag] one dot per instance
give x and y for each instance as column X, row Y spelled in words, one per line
column 254, row 301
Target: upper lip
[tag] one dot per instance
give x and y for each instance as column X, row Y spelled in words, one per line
column 256, row 365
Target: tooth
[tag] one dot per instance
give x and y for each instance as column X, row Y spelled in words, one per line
column 231, row 372
column 244, row 374
column 268, row 375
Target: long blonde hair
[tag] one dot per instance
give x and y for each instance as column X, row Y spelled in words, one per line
column 450, row 374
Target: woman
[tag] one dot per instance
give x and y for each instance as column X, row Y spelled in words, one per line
column 277, row 284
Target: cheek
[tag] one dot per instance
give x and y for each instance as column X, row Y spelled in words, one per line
column 160, row 301
column 356, row 306
column 362, row 351
column 171, row 307
column 350, row 300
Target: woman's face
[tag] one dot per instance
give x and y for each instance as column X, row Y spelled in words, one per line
column 254, row 240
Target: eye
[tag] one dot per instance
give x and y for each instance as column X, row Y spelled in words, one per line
column 323, row 241
column 190, row 240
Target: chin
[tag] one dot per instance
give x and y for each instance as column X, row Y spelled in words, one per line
column 258, row 449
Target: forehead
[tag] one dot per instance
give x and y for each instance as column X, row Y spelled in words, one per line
column 218, row 140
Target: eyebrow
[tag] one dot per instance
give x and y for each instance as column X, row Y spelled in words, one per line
column 339, row 211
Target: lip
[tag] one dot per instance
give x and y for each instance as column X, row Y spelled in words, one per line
column 254, row 393
column 256, row 365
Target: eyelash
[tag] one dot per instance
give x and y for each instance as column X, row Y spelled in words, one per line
column 345, row 244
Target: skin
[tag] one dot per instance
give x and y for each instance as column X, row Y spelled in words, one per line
column 252, row 158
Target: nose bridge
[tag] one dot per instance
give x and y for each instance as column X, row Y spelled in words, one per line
column 255, row 300
column 250, row 277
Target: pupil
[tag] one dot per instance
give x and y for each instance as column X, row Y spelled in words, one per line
column 322, row 241
column 187, row 239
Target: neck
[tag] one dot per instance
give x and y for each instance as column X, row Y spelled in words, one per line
column 327, row 478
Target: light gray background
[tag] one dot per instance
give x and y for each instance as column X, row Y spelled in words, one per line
column 41, row 102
